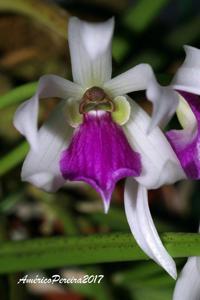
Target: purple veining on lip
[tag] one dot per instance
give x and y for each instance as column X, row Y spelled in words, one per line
column 185, row 143
column 99, row 154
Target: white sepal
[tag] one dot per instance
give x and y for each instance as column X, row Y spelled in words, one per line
column 188, row 284
column 159, row 162
column 142, row 226
column 165, row 101
column 187, row 77
column 90, row 50
column 141, row 77
column 41, row 166
column 26, row 116
column 136, row 79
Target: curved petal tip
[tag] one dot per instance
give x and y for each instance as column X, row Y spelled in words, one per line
column 165, row 101
column 143, row 228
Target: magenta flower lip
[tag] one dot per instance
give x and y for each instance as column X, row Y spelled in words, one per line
column 186, row 143
column 100, row 155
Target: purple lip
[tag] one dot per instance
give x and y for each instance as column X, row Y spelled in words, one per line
column 99, row 154
column 185, row 143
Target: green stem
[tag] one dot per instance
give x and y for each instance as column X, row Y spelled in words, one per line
column 64, row 251
column 51, row 16
column 16, row 291
column 140, row 16
column 64, row 215
column 14, row 96
column 7, row 203
column 13, row 158
column 18, row 94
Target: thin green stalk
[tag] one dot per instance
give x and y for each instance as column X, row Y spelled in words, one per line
column 184, row 34
column 18, row 94
column 47, row 14
column 16, row 291
column 140, row 272
column 7, row 203
column 140, row 16
column 14, row 96
column 13, row 158
column 65, row 251
column 64, row 215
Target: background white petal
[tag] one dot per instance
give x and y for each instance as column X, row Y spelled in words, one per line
column 165, row 101
column 159, row 162
column 141, row 77
column 90, row 50
column 187, row 77
column 142, row 226
column 41, row 166
column 188, row 283
column 26, row 116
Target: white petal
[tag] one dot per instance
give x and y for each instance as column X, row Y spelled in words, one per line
column 187, row 77
column 90, row 50
column 141, row 77
column 165, row 101
column 135, row 79
column 159, row 162
column 142, row 226
column 188, row 283
column 26, row 116
column 41, row 166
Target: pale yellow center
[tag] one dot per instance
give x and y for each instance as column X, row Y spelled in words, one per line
column 119, row 107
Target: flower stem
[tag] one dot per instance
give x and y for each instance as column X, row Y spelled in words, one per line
column 64, row 251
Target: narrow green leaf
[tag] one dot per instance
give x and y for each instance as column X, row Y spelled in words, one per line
column 10, row 201
column 139, row 17
column 120, row 48
column 95, row 290
column 65, row 251
column 13, row 158
column 184, row 34
column 152, row 293
column 18, row 94
column 111, row 220
column 139, row 272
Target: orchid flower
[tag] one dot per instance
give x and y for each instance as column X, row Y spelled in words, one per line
column 186, row 86
column 97, row 134
column 186, row 141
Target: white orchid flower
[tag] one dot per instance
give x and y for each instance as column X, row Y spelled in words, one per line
column 97, row 134
column 182, row 97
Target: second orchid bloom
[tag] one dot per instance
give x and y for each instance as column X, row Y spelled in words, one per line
column 99, row 135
